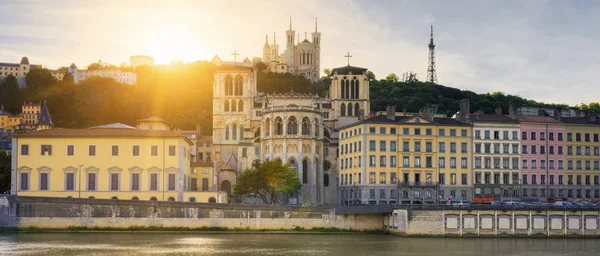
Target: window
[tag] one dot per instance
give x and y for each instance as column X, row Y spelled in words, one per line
column 92, row 150
column 70, row 181
column 171, row 150
column 382, row 145
column 442, row 162
column 392, row 130
column 154, row 181
column 44, row 181
column 70, row 150
column 114, row 181
column 24, row 150
column 91, row 181
column 154, row 150
column 477, row 134
column 452, row 132
column 453, row 179
column 428, row 131
column 382, row 178
column 514, row 135
column 405, row 161
column 428, row 146
column 463, row 133
column 515, row 148
column 371, row 145
column 405, row 131
column 533, row 164
column 393, row 146
column 372, row 160
column 371, row 178
column 417, row 131
column 452, row 162
column 382, row 161
column 532, row 135
column 453, row 147
column 372, row 130
column 560, row 150
column 463, row 162
column 171, row 181
column 428, row 162
column 417, row 161
column 381, row 130
column 136, row 151
column 24, row 181
column 417, row 146
column 463, row 147
column 524, row 135
column 442, row 132
column 543, row 150
column 442, row 178
column 533, row 149
column 115, row 150
column 392, row 161
column 442, row 147
column 46, row 150
column 135, row 181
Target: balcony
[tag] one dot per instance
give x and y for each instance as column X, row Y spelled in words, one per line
column 417, row 184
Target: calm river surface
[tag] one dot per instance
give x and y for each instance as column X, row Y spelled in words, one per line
column 283, row 244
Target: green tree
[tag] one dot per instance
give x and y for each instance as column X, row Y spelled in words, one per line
column 371, row 75
column 67, row 79
column 327, row 72
column 267, row 181
column 9, row 94
column 261, row 66
column 94, row 66
column 4, row 172
column 39, row 78
column 392, row 77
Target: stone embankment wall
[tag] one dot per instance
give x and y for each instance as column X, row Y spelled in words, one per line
column 43, row 212
column 493, row 223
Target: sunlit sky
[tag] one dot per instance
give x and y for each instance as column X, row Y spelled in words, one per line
column 542, row 50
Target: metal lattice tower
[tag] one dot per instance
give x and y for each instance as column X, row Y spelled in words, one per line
column 431, row 74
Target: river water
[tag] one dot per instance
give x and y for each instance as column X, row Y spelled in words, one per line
column 283, row 244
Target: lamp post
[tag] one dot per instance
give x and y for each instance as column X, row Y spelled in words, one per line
column 79, row 183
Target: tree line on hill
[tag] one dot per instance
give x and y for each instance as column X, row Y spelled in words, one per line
column 182, row 95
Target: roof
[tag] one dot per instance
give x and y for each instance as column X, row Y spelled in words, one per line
column 4, row 64
column 72, row 66
column 103, row 132
column 349, row 69
column 382, row 119
column 152, row 119
column 44, row 117
column 25, row 60
column 537, row 119
column 492, row 119
column 580, row 120
column 113, row 126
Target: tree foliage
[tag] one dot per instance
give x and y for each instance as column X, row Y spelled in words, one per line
column 9, row 94
column 267, row 181
column 280, row 83
column 39, row 79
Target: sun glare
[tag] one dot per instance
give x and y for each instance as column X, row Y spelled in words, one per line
column 172, row 43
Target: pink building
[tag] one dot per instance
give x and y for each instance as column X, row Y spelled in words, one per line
column 542, row 158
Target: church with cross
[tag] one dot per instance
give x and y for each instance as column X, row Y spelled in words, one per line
column 298, row 57
column 250, row 126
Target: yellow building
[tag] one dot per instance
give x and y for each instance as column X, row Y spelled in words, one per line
column 110, row 161
column 408, row 160
column 583, row 157
column 29, row 113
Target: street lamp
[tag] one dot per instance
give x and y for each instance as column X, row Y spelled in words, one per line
column 79, row 183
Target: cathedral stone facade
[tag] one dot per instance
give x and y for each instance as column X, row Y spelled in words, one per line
column 299, row 129
column 299, row 58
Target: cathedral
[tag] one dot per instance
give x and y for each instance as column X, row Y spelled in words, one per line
column 299, row 129
column 298, row 58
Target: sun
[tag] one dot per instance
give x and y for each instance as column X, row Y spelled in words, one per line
column 172, row 43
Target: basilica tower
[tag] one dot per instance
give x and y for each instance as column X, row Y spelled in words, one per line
column 316, row 38
column 290, row 47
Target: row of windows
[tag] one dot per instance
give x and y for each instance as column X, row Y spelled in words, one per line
column 70, row 150
column 496, row 135
column 352, row 110
column 561, row 193
column 487, row 148
column 292, row 126
column 578, row 137
column 91, row 182
column 586, row 150
column 231, row 89
column 233, row 106
column 417, row 131
column 382, row 178
column 349, row 89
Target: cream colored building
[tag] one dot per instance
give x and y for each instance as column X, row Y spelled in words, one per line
column 124, row 77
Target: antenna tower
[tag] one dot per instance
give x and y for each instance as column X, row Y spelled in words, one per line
column 431, row 73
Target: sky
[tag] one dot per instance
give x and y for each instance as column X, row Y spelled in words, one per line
column 540, row 50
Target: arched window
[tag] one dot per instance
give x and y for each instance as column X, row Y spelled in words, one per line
column 226, row 186
column 226, row 106
column 305, row 126
column 192, row 199
column 347, row 89
column 238, row 85
column 326, row 180
column 114, row 198
column 343, row 88
column 357, row 90
column 135, row 198
column 293, row 163
column 304, row 171
column 226, row 132
column 343, row 109
column 317, row 128
column 278, row 126
column 241, row 132
column 171, row 199
column 91, row 197
column 292, row 126
column 356, row 109
column 234, row 132
column 350, row 109
column 212, row 200
column 233, row 106
column 228, row 85
column 153, row 199
column 241, row 106
column 352, row 89
column 268, row 127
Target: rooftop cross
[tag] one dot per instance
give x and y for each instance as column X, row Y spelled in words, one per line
column 348, row 56
column 235, row 54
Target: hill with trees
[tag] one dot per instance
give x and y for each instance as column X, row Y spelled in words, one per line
column 182, row 95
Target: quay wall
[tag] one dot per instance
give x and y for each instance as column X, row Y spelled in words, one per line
column 494, row 223
column 62, row 213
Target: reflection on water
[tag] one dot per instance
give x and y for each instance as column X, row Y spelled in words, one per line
column 282, row 244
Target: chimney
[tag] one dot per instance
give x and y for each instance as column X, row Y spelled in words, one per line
column 464, row 110
column 391, row 112
column 591, row 116
column 557, row 114
column 511, row 111
column 498, row 111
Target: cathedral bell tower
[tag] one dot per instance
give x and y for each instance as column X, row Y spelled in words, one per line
column 266, row 51
column 290, row 47
column 316, row 36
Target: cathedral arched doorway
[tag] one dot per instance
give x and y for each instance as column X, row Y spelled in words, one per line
column 226, row 186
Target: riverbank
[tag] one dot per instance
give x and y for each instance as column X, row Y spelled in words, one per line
column 202, row 230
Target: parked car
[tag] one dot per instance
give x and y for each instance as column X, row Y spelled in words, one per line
column 562, row 203
column 461, row 203
column 511, row 203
